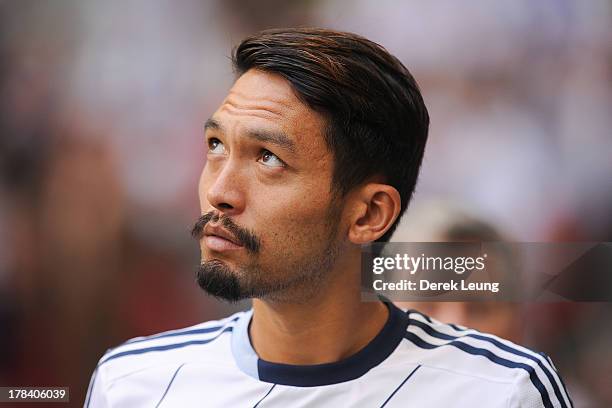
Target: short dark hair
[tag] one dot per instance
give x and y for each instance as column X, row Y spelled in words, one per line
column 377, row 121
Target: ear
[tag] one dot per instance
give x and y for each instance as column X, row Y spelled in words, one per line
column 378, row 206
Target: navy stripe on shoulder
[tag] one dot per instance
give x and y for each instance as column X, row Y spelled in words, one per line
column 513, row 350
column 165, row 347
column 181, row 332
column 558, row 376
column 454, row 326
column 424, row 316
column 419, row 342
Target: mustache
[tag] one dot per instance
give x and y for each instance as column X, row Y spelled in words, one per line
column 241, row 235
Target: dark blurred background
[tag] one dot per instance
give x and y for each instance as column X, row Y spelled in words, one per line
column 102, row 106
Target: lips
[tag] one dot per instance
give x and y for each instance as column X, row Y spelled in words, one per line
column 217, row 231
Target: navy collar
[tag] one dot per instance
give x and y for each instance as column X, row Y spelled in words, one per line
column 374, row 353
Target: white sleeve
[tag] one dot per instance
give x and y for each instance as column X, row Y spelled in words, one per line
column 525, row 394
column 96, row 392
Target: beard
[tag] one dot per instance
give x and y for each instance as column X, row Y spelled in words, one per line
column 290, row 279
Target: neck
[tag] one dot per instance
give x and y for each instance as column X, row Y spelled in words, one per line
column 332, row 325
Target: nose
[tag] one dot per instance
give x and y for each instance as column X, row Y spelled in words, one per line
column 226, row 191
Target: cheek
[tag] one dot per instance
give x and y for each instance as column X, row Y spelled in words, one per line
column 300, row 218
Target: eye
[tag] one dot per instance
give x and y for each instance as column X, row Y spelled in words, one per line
column 215, row 146
column 270, row 159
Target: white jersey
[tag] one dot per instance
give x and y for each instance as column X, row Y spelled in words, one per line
column 414, row 361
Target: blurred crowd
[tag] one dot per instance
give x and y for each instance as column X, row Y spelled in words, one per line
column 102, row 106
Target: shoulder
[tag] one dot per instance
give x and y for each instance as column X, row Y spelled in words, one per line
column 138, row 368
column 462, row 352
column 206, row 342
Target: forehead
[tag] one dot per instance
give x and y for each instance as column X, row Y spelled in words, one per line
column 262, row 100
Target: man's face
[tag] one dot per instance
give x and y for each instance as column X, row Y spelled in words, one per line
column 266, row 186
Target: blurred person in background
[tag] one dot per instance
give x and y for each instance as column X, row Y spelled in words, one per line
column 570, row 332
column 440, row 221
column 76, row 268
column 65, row 233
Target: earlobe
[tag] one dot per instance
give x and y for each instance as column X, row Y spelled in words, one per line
column 382, row 207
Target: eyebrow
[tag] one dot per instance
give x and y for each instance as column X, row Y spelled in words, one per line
column 278, row 138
